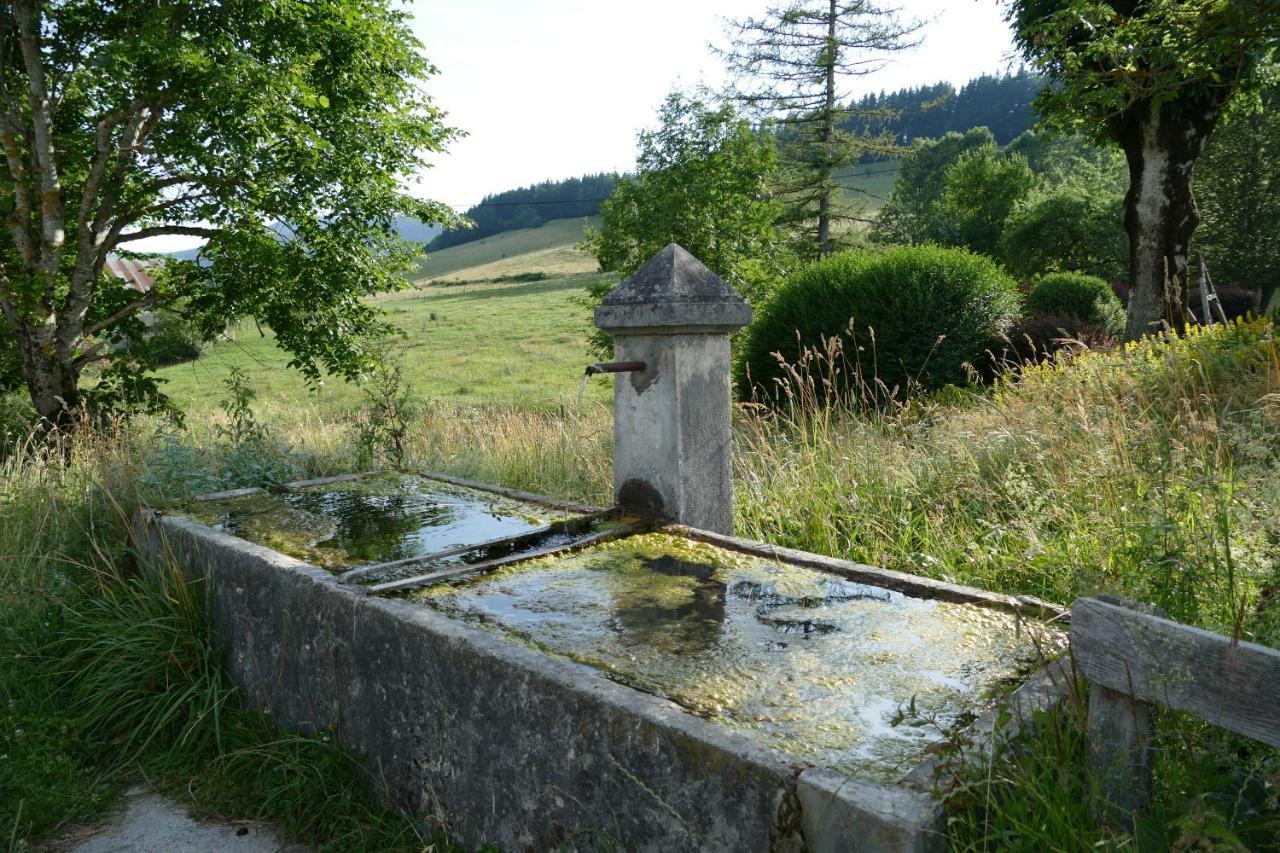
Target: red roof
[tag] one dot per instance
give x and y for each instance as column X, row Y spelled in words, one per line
column 133, row 273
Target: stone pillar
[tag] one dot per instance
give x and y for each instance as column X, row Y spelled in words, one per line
column 672, row 443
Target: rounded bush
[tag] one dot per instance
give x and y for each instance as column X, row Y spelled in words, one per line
column 910, row 318
column 1084, row 297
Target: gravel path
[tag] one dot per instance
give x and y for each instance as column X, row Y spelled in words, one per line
column 150, row 821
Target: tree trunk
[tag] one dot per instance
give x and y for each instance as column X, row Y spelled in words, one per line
column 1160, row 212
column 828, row 136
column 54, row 385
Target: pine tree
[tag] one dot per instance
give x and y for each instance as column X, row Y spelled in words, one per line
column 789, row 65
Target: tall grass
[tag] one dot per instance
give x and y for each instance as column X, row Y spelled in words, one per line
column 109, row 669
column 1150, row 472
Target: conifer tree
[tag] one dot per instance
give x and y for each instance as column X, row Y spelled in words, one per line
column 792, row 65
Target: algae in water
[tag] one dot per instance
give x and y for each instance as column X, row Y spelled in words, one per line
column 802, row 661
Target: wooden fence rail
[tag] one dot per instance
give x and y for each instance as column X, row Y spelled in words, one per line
column 1135, row 660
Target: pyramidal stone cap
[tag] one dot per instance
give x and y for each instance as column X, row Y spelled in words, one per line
column 673, row 293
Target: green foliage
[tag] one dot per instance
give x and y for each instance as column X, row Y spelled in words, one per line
column 911, row 215
column 1238, row 192
column 1108, row 58
column 1066, row 229
column 910, row 318
column 11, row 378
column 1000, row 102
column 1047, row 203
column 700, row 181
column 1077, row 295
column 285, row 131
column 978, row 195
column 242, row 425
column 383, row 429
column 170, row 340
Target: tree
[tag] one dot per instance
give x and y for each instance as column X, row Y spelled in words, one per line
column 980, row 192
column 911, row 214
column 1238, row 188
column 789, row 65
column 701, row 180
column 1154, row 76
column 1068, row 228
column 280, row 132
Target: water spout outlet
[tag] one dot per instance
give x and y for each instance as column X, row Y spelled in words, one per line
column 615, row 367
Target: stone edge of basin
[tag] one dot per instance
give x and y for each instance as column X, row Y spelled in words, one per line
column 771, row 804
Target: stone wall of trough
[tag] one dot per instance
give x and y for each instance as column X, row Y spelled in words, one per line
column 504, row 744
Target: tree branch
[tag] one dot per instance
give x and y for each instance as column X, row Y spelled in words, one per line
column 161, row 230
column 149, row 299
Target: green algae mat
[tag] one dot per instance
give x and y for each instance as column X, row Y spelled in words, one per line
column 829, row 672
column 372, row 519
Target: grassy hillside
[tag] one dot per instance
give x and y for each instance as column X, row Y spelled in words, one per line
column 868, row 185
column 460, row 344
column 548, row 249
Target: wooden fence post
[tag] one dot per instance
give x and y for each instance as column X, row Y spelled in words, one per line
column 1120, row 728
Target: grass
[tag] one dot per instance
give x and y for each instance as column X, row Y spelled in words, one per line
column 458, row 347
column 549, row 248
column 109, row 672
column 867, row 185
column 1151, row 473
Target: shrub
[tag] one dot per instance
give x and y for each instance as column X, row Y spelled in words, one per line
column 913, row 317
column 1067, row 229
column 172, row 340
column 1073, row 294
column 1038, row 337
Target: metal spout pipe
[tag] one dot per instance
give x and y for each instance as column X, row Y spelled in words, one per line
column 615, row 367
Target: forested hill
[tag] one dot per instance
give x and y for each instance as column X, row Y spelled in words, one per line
column 998, row 102
column 529, row 207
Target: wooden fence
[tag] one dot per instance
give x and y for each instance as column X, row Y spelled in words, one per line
column 1136, row 660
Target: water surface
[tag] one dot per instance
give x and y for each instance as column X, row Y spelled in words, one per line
column 373, row 519
column 829, row 672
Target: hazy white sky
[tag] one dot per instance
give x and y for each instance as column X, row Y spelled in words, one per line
column 557, row 88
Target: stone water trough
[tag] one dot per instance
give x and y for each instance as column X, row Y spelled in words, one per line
column 544, row 675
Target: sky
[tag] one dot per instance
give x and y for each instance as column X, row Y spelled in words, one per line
column 551, row 89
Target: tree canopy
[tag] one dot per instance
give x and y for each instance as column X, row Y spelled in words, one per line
column 1153, row 76
column 702, row 180
column 282, row 133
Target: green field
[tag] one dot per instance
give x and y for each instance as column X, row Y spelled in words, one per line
column 549, row 248
column 499, row 342
column 868, row 185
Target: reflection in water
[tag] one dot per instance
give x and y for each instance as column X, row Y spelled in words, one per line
column 373, row 519
column 801, row 661
column 650, row 613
